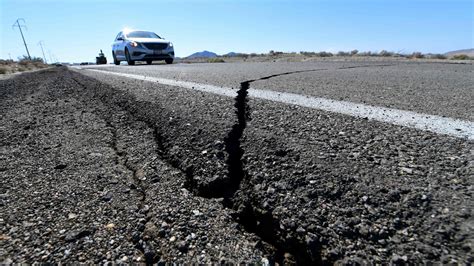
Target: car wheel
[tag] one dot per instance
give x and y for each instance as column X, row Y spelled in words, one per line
column 129, row 59
column 116, row 62
column 148, row 62
column 169, row 61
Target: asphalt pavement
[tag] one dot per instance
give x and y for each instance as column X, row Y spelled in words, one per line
column 443, row 89
column 219, row 178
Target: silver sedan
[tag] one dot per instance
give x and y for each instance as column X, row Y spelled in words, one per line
column 140, row 45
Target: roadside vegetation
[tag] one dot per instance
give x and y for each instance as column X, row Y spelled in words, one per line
column 276, row 56
column 23, row 64
column 215, row 60
column 461, row 57
column 352, row 53
column 385, row 53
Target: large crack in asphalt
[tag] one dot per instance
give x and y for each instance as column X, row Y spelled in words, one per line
column 237, row 196
column 226, row 188
column 263, row 225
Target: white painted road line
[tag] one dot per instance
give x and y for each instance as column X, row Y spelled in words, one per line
column 433, row 123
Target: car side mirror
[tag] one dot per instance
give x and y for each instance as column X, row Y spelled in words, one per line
column 119, row 39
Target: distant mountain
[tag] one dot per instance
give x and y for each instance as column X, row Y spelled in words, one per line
column 231, row 54
column 468, row 52
column 234, row 54
column 203, row 54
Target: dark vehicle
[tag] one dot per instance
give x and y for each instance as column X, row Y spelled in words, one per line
column 101, row 59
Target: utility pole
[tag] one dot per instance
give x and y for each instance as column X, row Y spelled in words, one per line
column 10, row 56
column 17, row 24
column 40, row 43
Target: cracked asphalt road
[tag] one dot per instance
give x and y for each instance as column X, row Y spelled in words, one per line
column 98, row 168
column 443, row 89
column 83, row 181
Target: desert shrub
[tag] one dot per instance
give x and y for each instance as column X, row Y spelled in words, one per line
column 274, row 52
column 23, row 62
column 3, row 70
column 215, row 60
column 385, row 53
column 6, row 62
column 324, row 54
column 354, row 52
column 307, row 53
column 27, row 59
column 460, row 57
column 368, row 53
column 342, row 53
column 38, row 64
column 35, row 62
column 438, row 56
column 417, row 55
column 320, row 54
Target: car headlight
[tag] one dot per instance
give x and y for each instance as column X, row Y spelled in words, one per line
column 133, row 44
column 170, row 45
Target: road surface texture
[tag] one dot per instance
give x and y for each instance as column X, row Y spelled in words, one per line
column 98, row 167
column 438, row 88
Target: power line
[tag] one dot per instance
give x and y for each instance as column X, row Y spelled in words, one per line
column 17, row 24
column 40, row 43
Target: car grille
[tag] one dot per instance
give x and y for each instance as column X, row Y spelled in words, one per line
column 155, row 46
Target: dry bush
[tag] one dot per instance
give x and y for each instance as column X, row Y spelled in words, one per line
column 23, row 64
column 438, row 56
column 368, row 53
column 320, row 54
column 385, row 53
column 417, row 55
column 324, row 54
column 307, row 53
column 342, row 53
column 6, row 62
column 274, row 52
column 460, row 57
column 215, row 60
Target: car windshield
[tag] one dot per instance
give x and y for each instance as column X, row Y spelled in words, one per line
column 142, row 34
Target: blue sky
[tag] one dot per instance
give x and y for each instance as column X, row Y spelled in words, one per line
column 75, row 30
